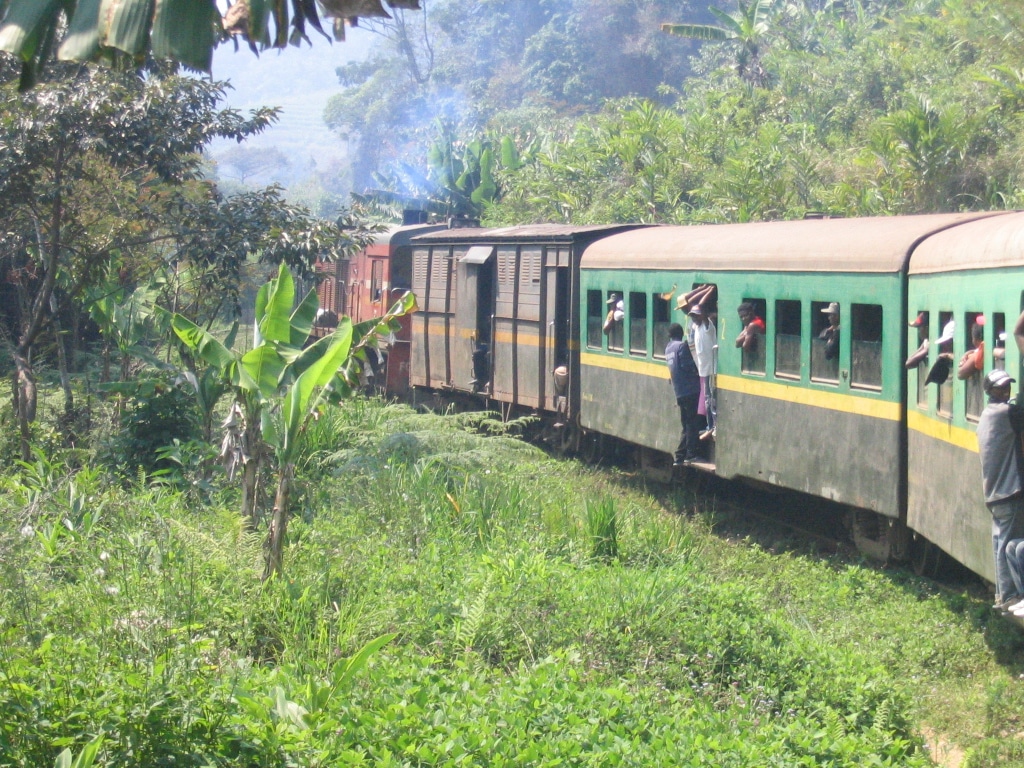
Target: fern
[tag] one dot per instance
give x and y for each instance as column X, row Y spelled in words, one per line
column 468, row 629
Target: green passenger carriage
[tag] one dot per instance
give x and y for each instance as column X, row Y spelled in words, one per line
column 960, row 275
column 787, row 416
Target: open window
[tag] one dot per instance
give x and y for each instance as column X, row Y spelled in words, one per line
column 998, row 337
column 825, row 339
column 637, row 324
column 866, row 347
column 376, row 279
column 972, row 363
column 662, row 320
column 944, row 346
column 787, row 339
column 753, row 349
column 615, row 320
column 595, row 319
column 919, row 357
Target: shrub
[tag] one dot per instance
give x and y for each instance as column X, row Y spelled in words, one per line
column 152, row 422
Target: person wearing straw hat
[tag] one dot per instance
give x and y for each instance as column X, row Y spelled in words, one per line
column 616, row 312
column 830, row 334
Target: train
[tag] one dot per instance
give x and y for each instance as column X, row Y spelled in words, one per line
column 511, row 319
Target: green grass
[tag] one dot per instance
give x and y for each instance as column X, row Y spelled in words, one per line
column 542, row 613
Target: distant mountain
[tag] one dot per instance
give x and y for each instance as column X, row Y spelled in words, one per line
column 299, row 81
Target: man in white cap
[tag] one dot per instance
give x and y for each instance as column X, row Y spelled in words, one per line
column 616, row 312
column 999, row 430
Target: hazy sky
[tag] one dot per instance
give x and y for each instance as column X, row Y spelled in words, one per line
column 299, row 80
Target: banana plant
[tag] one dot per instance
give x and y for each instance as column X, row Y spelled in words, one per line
column 281, row 385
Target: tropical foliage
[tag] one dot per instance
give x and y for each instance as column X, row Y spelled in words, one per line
column 461, row 179
column 129, row 31
column 466, row 63
column 102, row 192
column 857, row 109
column 279, row 386
column 744, row 31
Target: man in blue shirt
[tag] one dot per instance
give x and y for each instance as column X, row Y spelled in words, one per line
column 686, row 384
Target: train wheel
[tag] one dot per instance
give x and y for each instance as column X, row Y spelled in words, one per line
column 877, row 537
column 924, row 557
column 591, row 447
column 654, row 465
column 563, row 438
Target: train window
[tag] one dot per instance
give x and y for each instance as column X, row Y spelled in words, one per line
column 918, row 359
column 825, row 338
column 662, row 320
column 866, row 346
column 971, row 364
column 595, row 318
column 999, row 340
column 753, row 345
column 530, row 260
column 638, row 324
column 617, row 310
column 944, row 346
column 420, row 260
column 787, row 339
column 376, row 279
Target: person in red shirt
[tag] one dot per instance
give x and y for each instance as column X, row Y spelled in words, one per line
column 753, row 327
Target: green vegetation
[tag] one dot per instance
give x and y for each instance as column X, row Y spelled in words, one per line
column 749, row 110
column 455, row 597
column 853, row 109
column 181, row 30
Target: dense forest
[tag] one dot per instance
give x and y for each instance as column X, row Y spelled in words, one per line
column 849, row 107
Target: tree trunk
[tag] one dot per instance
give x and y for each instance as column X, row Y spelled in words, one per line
column 253, row 450
column 24, row 402
column 25, row 396
column 62, row 365
column 279, row 522
column 250, row 480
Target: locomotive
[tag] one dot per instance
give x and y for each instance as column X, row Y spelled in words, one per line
column 511, row 319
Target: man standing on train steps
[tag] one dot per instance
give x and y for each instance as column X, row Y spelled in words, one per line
column 686, row 386
column 999, row 430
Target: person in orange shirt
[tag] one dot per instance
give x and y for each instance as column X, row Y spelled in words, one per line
column 973, row 359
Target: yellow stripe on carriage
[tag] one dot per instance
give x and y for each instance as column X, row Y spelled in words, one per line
column 941, row 429
column 833, row 401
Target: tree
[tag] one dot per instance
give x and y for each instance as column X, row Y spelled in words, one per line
column 82, row 161
column 469, row 62
column 280, row 385
column 246, row 163
column 185, row 31
column 745, row 31
column 461, row 177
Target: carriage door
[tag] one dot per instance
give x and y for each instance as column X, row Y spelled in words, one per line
column 471, row 356
column 558, row 331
